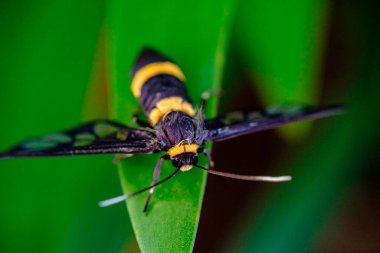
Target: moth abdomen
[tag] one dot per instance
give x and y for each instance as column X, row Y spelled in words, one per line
column 158, row 84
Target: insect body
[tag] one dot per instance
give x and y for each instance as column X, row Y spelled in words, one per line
column 175, row 127
column 158, row 84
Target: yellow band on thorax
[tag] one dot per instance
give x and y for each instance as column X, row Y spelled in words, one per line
column 151, row 70
column 169, row 104
column 180, row 149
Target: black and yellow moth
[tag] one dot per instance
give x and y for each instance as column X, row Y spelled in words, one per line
column 175, row 126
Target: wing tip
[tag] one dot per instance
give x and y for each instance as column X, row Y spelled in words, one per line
column 332, row 110
column 5, row 156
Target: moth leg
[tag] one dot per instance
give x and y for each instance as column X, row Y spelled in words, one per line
column 206, row 96
column 140, row 122
column 156, row 175
column 208, row 156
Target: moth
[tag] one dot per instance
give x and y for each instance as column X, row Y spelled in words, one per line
column 175, row 126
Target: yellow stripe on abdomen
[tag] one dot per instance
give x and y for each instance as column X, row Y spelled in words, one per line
column 153, row 69
column 169, row 104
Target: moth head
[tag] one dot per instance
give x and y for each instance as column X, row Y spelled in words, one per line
column 185, row 161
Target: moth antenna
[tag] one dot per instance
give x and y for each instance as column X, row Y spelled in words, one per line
column 121, row 198
column 246, row 177
column 110, row 202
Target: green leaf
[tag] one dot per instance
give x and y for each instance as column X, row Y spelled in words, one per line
column 333, row 162
column 50, row 204
column 196, row 40
column 280, row 43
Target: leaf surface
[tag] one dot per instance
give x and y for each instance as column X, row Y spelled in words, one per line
column 198, row 47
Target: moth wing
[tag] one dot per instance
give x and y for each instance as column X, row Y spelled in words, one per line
column 239, row 123
column 97, row 137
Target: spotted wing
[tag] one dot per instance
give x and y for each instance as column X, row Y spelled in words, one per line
column 98, row 137
column 238, row 123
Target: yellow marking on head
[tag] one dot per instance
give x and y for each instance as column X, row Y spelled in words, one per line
column 151, row 70
column 186, row 167
column 180, row 149
column 169, row 104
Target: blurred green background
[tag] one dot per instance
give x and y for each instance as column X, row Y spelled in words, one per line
column 65, row 62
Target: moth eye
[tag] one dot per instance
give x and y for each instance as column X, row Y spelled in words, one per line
column 195, row 159
column 175, row 163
